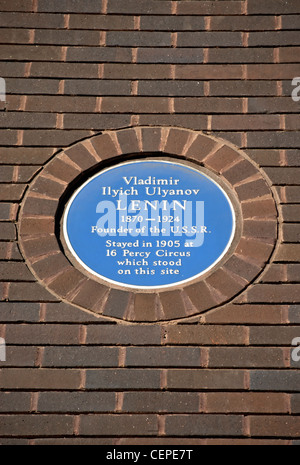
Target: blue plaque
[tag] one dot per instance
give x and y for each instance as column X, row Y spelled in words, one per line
column 149, row 224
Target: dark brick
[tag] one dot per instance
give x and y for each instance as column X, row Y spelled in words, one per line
column 245, row 122
column 96, row 122
column 204, row 425
column 5, row 209
column 243, row 357
column 269, row 7
column 7, row 231
column 240, row 55
column 32, row 20
column 291, row 213
column 274, row 380
column 242, row 88
column 160, row 402
column 30, row 292
column 286, row 293
column 96, row 87
column 123, row 335
column 162, row 356
column 16, row 5
column 273, row 335
column 90, row 295
column 145, row 307
column 169, row 55
column 253, row 189
column 290, row 22
column 111, row 379
column 101, row 22
column 36, row 425
column 116, row 303
column 172, row 23
column 63, row 70
column 138, row 39
column 171, row 88
column 137, row 71
column 30, row 53
column 242, row 23
column 19, row 311
column 288, row 253
column 268, row 71
column 195, row 7
column 144, row 7
column 53, row 138
column 134, row 105
column 273, row 139
column 125, row 425
column 64, row 37
column 31, row 334
column 15, row 402
column 80, row 357
column 17, row 356
column 92, row 402
column 239, row 171
column 291, row 232
column 209, row 39
column 69, row 6
column 208, row 105
column 258, row 39
column 15, row 271
column 283, row 175
column 98, row 54
column 25, row 155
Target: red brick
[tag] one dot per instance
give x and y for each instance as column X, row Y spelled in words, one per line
column 206, row 335
column 238, row 402
column 37, row 378
column 205, row 379
column 254, row 250
column 288, row 253
column 283, row 426
column 208, row 72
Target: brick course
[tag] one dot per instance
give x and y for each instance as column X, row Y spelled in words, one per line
column 207, row 81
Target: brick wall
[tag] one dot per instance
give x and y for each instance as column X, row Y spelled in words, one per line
column 74, row 70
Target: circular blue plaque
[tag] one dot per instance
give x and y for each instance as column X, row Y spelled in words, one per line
column 149, row 224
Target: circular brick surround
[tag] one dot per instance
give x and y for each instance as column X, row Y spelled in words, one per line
column 41, row 211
